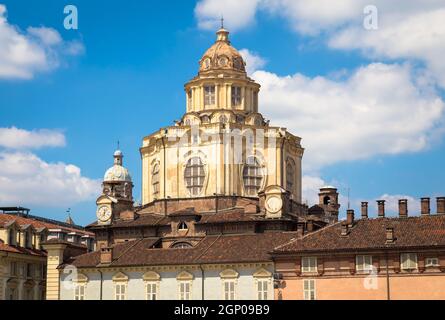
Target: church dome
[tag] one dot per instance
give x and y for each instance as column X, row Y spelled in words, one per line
column 117, row 173
column 222, row 56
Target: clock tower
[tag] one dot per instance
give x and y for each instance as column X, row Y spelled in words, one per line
column 116, row 194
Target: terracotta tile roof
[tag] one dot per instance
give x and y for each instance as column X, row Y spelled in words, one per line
column 211, row 249
column 235, row 215
column 12, row 249
column 6, row 219
column 368, row 234
column 139, row 221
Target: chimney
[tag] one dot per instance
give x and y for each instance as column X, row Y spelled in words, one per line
column 364, row 210
column 440, row 204
column 310, row 225
column 390, row 235
column 300, row 230
column 425, row 206
column 403, row 208
column 106, row 255
column 344, row 229
column 350, row 217
column 381, row 208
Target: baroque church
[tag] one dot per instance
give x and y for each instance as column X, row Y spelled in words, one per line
column 221, row 188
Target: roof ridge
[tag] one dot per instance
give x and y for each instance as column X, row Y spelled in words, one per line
column 206, row 249
column 125, row 251
column 309, row 234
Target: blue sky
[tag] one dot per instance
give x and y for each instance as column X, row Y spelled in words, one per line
column 127, row 80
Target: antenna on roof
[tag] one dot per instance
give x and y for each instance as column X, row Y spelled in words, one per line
column 349, row 204
column 118, row 145
column 222, row 22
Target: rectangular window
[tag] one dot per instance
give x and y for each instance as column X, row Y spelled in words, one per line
column 185, row 290
column 79, row 291
column 29, row 270
column 432, row 262
column 309, row 264
column 209, row 95
column 262, row 288
column 152, row 291
column 408, row 261
column 120, row 292
column 236, row 96
column 229, row 290
column 309, row 289
column 363, row 263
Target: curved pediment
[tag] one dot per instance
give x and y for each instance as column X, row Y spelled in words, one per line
column 229, row 273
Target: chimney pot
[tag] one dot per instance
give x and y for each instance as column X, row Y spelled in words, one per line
column 403, row 208
column 425, row 208
column 364, row 210
column 440, row 204
column 389, row 235
column 106, row 255
column 381, row 208
column 350, row 217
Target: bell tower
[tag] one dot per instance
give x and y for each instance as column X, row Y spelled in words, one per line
column 117, row 189
column 328, row 200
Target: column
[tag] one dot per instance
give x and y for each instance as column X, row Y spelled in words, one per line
column 243, row 98
column 229, row 94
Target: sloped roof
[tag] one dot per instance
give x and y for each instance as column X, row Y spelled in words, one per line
column 367, row 234
column 210, row 250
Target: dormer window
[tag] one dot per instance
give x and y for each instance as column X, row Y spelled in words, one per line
column 182, row 226
column 209, row 95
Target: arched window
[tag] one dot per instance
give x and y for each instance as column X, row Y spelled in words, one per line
column 290, row 175
column 327, row 200
column 182, row 245
column 194, row 175
column 183, row 226
column 155, row 180
column 252, row 176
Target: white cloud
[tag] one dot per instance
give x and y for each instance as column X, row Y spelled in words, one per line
column 23, row 54
column 379, row 109
column 408, row 29
column 237, row 14
column 14, row 138
column 419, row 35
column 253, row 61
column 27, row 180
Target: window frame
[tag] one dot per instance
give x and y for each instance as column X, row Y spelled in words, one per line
column 187, row 294
column 209, row 95
column 309, row 268
column 194, row 175
column 253, row 176
column 155, row 180
column 263, row 292
column 236, row 96
column 309, row 289
column 361, row 267
column 119, row 295
column 79, row 291
column 154, row 293
column 430, row 264
column 229, row 295
column 403, row 261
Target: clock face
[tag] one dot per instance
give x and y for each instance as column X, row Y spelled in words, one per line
column 104, row 213
column 274, row 204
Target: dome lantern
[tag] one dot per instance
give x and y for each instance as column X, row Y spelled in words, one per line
column 117, row 173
